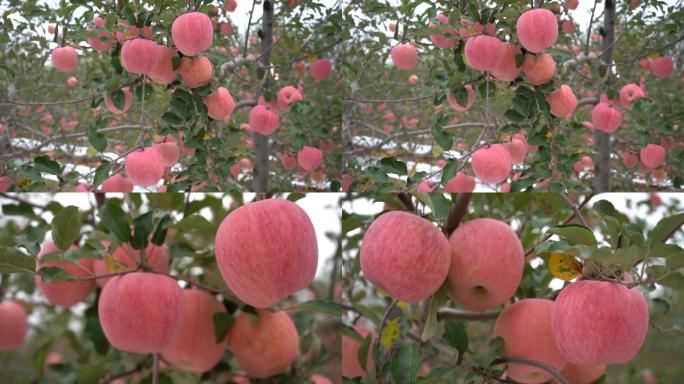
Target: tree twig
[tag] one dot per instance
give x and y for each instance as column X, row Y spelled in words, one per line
column 520, row 360
column 450, row 313
column 458, row 209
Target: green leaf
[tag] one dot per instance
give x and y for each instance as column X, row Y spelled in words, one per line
column 461, row 94
column 45, row 164
column 405, row 364
column 116, row 221
column 392, row 165
column 176, row 62
column 53, row 274
column 664, row 228
column 455, row 335
column 513, row 115
column 444, row 139
column 118, row 99
column 364, row 350
column 159, row 236
column 102, row 173
column 575, row 234
column 674, row 280
column 625, row 257
column 351, row 333
column 294, row 196
column 66, row 226
column 322, row 306
column 142, row 227
column 606, row 208
column 222, row 324
column 93, row 332
column 437, row 301
column 449, row 171
column 97, row 140
column 14, row 261
column 440, row 205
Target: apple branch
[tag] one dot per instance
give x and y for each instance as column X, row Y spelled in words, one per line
column 450, row 313
column 520, row 360
column 458, row 209
column 575, row 211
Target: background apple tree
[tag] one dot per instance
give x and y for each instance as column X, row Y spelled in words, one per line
column 57, row 132
column 401, row 129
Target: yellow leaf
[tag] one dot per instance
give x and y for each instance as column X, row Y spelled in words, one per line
column 390, row 333
column 437, row 151
column 564, row 267
column 113, row 266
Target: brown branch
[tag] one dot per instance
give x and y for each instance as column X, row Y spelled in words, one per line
column 404, row 100
column 74, row 101
column 576, row 211
column 450, row 313
column 405, row 199
column 458, row 209
column 520, row 360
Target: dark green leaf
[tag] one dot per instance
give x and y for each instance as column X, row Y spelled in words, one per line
column 102, row 173
column 53, row 274
column 116, row 221
column 14, row 261
column 45, row 164
column 97, row 140
column 444, row 139
column 159, row 236
column 66, row 226
column 322, row 306
column 142, row 227
column 392, row 165
column 364, row 350
column 222, row 324
column 575, row 234
column 665, row 228
column 405, row 364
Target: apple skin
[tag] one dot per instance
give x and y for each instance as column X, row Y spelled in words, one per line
column 351, row 367
column 66, row 293
column 141, row 312
column 526, row 329
column 582, row 374
column 320, row 379
column 194, row 348
column 599, row 322
column 487, row 264
column 13, row 326
column 266, row 251
column 405, row 255
column 267, row 348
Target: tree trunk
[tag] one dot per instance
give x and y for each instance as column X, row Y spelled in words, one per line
column 261, row 150
column 602, row 140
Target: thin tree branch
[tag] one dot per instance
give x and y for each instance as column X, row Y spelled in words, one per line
column 520, row 360
column 458, row 209
column 450, row 313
